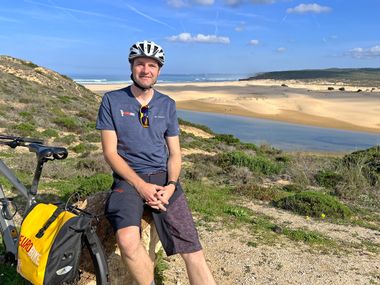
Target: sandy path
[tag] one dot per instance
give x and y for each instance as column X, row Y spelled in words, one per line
column 233, row 261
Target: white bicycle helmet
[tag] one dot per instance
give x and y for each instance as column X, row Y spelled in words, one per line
column 147, row 49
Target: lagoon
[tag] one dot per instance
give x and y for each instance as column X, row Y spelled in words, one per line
column 285, row 136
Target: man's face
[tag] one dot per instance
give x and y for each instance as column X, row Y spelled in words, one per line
column 145, row 71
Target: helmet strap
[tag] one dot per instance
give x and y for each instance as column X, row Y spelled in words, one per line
column 139, row 86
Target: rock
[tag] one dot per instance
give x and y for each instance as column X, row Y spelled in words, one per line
column 118, row 272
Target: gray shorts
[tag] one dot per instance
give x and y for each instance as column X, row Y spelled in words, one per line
column 175, row 227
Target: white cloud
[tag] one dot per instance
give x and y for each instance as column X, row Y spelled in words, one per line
column 365, row 53
column 176, row 3
column 204, row 2
column 233, row 2
column 309, row 8
column 200, row 38
column 254, row 42
column 281, row 49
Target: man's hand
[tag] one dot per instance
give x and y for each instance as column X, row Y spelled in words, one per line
column 148, row 192
column 164, row 194
column 162, row 197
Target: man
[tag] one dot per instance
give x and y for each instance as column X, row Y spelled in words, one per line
column 139, row 131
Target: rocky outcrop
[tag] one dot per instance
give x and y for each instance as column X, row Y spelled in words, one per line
column 118, row 272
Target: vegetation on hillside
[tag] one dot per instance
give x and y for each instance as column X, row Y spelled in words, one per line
column 369, row 77
column 38, row 102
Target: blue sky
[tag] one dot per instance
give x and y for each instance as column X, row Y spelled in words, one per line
column 198, row 36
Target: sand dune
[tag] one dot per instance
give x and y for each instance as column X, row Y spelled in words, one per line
column 298, row 102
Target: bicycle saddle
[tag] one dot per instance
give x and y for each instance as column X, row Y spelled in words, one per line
column 44, row 151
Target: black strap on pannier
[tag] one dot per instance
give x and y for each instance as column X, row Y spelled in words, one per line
column 52, row 218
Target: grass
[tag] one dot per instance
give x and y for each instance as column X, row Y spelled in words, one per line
column 83, row 186
column 8, row 276
column 160, row 267
column 309, row 237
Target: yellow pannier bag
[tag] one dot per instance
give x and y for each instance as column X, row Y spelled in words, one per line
column 50, row 244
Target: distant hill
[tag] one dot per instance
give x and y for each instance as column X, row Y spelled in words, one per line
column 354, row 76
column 38, row 102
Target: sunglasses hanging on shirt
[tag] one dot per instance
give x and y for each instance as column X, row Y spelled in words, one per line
column 143, row 115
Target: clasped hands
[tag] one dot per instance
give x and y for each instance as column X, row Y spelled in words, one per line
column 156, row 196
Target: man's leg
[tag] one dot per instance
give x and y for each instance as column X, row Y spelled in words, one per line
column 197, row 269
column 134, row 255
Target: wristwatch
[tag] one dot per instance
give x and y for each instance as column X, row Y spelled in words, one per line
column 172, row 182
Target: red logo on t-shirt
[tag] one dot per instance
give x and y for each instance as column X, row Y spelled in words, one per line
column 126, row 113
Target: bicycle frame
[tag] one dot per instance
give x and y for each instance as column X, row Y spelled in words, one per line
column 7, row 226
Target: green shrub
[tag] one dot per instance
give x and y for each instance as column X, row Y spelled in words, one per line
column 314, row 204
column 269, row 150
column 254, row 191
column 256, row 163
column 85, row 186
column 328, row 179
column 49, row 133
column 70, row 124
column 65, row 99
column 90, row 126
column 91, row 137
column 26, row 129
column 26, row 115
column 247, row 146
column 309, row 237
column 29, row 63
column 296, row 188
column 228, row 139
column 238, row 212
column 68, row 139
column 367, row 161
column 198, row 126
column 94, row 163
column 84, row 147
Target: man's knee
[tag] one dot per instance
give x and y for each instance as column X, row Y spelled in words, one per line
column 128, row 240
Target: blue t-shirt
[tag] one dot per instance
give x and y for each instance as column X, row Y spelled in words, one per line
column 144, row 149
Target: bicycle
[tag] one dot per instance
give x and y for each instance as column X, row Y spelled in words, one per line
column 8, row 208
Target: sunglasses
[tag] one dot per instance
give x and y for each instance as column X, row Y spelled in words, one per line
column 143, row 115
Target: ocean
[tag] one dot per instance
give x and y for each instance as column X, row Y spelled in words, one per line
column 163, row 78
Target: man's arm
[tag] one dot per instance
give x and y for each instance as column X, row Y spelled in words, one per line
column 146, row 190
column 174, row 167
column 175, row 159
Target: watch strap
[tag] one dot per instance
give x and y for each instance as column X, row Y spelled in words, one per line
column 172, row 182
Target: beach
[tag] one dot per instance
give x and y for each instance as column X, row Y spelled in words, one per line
column 287, row 101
